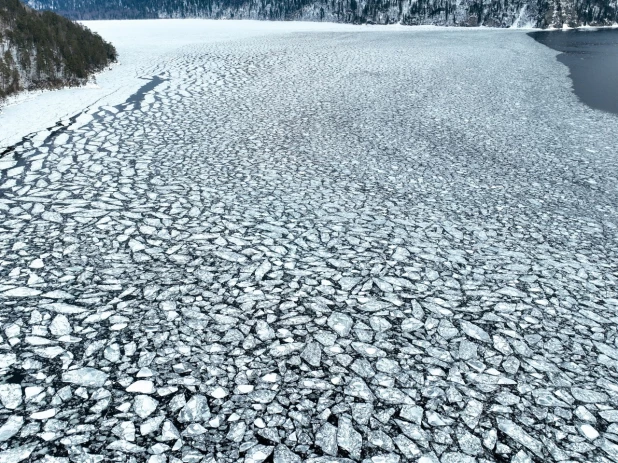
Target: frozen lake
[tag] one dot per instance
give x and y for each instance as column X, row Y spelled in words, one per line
column 311, row 243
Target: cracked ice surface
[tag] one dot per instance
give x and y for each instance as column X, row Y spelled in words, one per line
column 318, row 247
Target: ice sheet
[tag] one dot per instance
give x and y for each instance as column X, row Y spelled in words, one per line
column 141, row 44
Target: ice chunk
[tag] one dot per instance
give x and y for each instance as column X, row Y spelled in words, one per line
column 11, row 427
column 6, row 360
column 43, row 415
column 312, row 354
column 284, row 455
column 22, row 292
column 348, row 438
column 262, row 270
column 456, row 457
column 142, row 386
column 87, row 377
column 356, row 387
column 340, row 323
column 368, row 350
column 16, row 454
column 326, row 439
column 408, row 448
column 468, row 442
column 60, row 325
column 474, row 331
column 588, row 431
column 521, row 457
column 169, row 432
column 196, row 409
column 518, row 434
column 588, row 396
column 144, row 405
column 125, row 446
column 258, row 453
column 263, row 331
column 10, row 395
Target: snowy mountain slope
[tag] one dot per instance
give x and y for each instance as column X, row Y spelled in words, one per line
column 496, row 13
column 45, row 50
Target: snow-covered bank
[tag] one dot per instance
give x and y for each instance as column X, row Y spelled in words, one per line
column 141, row 44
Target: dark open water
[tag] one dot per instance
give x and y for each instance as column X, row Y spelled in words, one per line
column 592, row 57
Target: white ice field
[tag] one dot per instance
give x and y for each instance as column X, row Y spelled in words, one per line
column 310, row 243
column 142, row 46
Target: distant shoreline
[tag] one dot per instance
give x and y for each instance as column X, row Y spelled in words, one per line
column 369, row 25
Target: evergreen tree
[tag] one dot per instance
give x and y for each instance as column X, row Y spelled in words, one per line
column 46, row 50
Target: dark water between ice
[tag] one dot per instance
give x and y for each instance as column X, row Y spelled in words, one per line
column 592, row 57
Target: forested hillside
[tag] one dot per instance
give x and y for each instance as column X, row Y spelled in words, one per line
column 497, row 13
column 46, row 50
